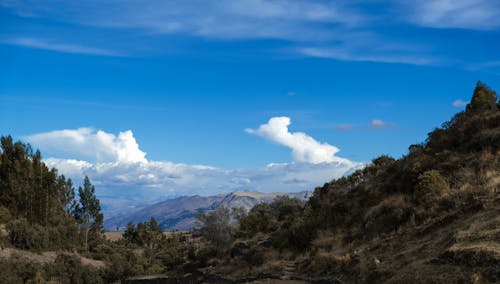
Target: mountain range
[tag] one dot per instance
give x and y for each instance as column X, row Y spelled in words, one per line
column 180, row 213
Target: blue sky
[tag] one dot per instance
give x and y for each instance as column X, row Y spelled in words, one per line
column 188, row 77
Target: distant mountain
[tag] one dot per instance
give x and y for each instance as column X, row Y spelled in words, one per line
column 180, row 213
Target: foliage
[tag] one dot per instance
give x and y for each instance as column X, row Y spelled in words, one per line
column 217, row 227
column 431, row 185
column 88, row 215
column 5, row 215
column 483, row 99
column 66, row 269
column 26, row 236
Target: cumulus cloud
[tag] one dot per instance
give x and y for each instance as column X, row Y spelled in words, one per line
column 90, row 144
column 459, row 103
column 125, row 179
column 304, row 147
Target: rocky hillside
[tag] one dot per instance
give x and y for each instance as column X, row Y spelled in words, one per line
column 180, row 213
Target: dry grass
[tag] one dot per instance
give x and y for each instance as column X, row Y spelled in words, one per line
column 113, row 236
column 45, row 257
column 116, row 235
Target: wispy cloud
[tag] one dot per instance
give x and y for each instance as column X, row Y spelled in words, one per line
column 459, row 103
column 339, row 30
column 60, row 47
column 350, row 54
column 229, row 19
column 343, row 127
column 375, row 124
column 464, row 14
column 380, row 124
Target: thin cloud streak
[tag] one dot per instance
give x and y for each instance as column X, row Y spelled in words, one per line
column 461, row 14
column 60, row 47
column 347, row 54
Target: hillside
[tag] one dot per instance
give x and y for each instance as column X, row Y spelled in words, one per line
column 180, row 213
column 431, row 216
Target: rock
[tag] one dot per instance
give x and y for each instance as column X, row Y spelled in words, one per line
column 265, row 241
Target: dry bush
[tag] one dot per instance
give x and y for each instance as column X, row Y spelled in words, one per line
column 390, row 214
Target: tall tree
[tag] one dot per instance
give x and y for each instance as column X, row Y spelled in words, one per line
column 483, row 98
column 89, row 213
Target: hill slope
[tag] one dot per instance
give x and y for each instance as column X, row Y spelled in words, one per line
column 180, row 213
column 431, row 216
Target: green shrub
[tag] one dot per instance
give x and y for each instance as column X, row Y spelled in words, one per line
column 69, row 269
column 5, row 215
column 431, row 185
column 24, row 235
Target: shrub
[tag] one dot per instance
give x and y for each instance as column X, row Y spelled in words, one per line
column 390, row 214
column 254, row 257
column 24, row 235
column 261, row 218
column 431, row 185
column 217, row 229
column 69, row 269
column 5, row 215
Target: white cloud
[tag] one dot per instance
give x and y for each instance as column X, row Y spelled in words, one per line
column 145, row 183
column 340, row 30
column 292, row 20
column 304, row 147
column 365, row 53
column 380, row 124
column 87, row 143
column 466, row 14
column 459, row 103
column 61, row 47
column 377, row 123
column 124, row 178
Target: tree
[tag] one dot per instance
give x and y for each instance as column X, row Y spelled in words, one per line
column 217, row 227
column 483, row 98
column 66, row 194
column 88, row 213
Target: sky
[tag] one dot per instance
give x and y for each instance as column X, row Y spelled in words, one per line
column 155, row 99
